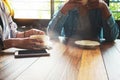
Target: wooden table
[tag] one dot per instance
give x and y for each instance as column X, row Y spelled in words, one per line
column 65, row 62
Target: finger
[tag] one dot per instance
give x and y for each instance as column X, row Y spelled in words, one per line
column 39, row 32
column 42, row 32
column 36, row 40
column 38, row 46
column 34, row 31
column 32, row 46
column 31, row 40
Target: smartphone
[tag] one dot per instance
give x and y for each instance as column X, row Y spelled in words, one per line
column 31, row 53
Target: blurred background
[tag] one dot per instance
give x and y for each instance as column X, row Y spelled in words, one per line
column 37, row 13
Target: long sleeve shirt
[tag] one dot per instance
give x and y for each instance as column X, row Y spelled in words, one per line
column 67, row 25
column 9, row 27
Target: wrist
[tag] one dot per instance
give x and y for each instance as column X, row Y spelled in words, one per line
column 13, row 42
column 8, row 43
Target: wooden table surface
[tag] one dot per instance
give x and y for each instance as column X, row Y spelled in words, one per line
column 66, row 62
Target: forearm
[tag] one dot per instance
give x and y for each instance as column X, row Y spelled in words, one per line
column 56, row 24
column 111, row 29
column 9, row 43
column 14, row 42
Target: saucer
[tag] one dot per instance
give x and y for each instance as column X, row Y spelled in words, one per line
column 87, row 43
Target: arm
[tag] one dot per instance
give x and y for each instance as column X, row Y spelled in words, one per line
column 18, row 34
column 30, row 32
column 13, row 28
column 56, row 24
column 24, row 43
column 10, row 22
column 110, row 28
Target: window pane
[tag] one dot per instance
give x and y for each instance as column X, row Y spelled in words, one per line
column 115, row 7
column 35, row 9
column 31, row 9
column 58, row 3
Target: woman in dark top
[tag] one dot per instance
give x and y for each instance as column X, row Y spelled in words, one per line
column 84, row 19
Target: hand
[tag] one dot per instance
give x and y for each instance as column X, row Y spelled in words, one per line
column 69, row 5
column 93, row 4
column 28, row 43
column 33, row 32
column 99, row 4
column 24, row 43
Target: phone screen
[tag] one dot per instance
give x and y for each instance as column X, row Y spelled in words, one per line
column 31, row 53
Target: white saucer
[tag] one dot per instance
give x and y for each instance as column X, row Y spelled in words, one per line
column 87, row 43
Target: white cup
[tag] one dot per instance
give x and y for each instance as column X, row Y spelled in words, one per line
column 43, row 38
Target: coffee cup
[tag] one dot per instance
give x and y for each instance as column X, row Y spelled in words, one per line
column 43, row 38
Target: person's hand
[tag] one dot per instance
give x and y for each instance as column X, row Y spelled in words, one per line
column 93, row 4
column 70, row 5
column 30, row 32
column 99, row 4
column 28, row 43
column 24, row 43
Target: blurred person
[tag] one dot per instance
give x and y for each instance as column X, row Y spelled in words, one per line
column 10, row 37
column 84, row 19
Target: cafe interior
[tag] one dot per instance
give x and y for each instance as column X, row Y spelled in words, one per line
column 31, row 14
column 59, row 61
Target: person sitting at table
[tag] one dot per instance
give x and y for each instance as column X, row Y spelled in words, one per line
column 84, row 19
column 10, row 37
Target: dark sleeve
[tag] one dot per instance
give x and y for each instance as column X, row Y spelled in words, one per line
column 55, row 25
column 1, row 27
column 110, row 29
column 1, row 43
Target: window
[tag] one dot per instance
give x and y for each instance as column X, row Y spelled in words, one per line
column 115, row 7
column 35, row 9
